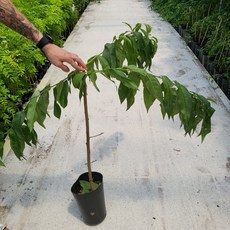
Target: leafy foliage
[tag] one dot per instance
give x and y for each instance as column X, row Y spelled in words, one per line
column 126, row 61
column 207, row 21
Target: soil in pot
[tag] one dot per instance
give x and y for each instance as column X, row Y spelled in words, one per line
column 92, row 204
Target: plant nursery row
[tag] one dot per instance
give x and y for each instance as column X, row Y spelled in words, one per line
column 205, row 26
column 21, row 61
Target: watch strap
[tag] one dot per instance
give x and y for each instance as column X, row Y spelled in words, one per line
column 46, row 39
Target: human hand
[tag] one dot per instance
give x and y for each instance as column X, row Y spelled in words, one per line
column 3, row 227
column 58, row 56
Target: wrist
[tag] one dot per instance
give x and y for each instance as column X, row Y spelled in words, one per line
column 37, row 37
column 44, row 40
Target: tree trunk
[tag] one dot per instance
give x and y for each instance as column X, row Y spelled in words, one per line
column 88, row 139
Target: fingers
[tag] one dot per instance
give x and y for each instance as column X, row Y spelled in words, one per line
column 72, row 59
column 3, row 227
column 78, row 63
column 63, row 67
column 59, row 56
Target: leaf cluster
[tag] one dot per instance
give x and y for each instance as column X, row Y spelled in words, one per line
column 126, row 61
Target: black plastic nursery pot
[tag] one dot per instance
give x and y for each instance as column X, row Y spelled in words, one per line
column 91, row 205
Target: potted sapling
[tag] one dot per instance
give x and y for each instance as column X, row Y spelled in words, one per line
column 125, row 62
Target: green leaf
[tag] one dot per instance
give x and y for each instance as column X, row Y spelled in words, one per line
column 120, row 52
column 154, row 87
column 144, row 32
column 123, row 92
column 43, row 101
column 105, row 66
column 109, row 53
column 18, row 120
column 31, row 113
column 185, row 103
column 57, row 110
column 148, row 28
column 128, row 94
column 131, row 51
column 137, row 27
column 128, row 25
column 34, row 137
column 206, row 124
column 26, row 134
column 207, row 111
column 135, row 78
column 40, row 117
column 63, row 98
column 2, row 142
column 136, row 69
column 131, row 98
column 93, row 77
column 2, row 164
column 77, row 79
column 104, row 63
column 140, row 47
column 61, row 91
column 90, row 62
column 17, row 124
column 170, row 97
column 41, row 108
column 122, row 77
column 22, row 131
column 148, row 98
column 86, row 186
column 16, row 143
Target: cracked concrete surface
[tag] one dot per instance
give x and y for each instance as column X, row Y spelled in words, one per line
column 154, row 177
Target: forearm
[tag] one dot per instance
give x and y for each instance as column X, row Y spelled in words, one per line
column 13, row 18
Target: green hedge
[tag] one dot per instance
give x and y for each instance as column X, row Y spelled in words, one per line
column 208, row 22
column 20, row 59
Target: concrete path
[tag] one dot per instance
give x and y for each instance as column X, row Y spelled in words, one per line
column 154, row 177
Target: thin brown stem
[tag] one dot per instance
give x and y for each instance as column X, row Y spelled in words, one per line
column 97, row 135
column 88, row 139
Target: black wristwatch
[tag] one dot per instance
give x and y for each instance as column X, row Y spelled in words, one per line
column 46, row 39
